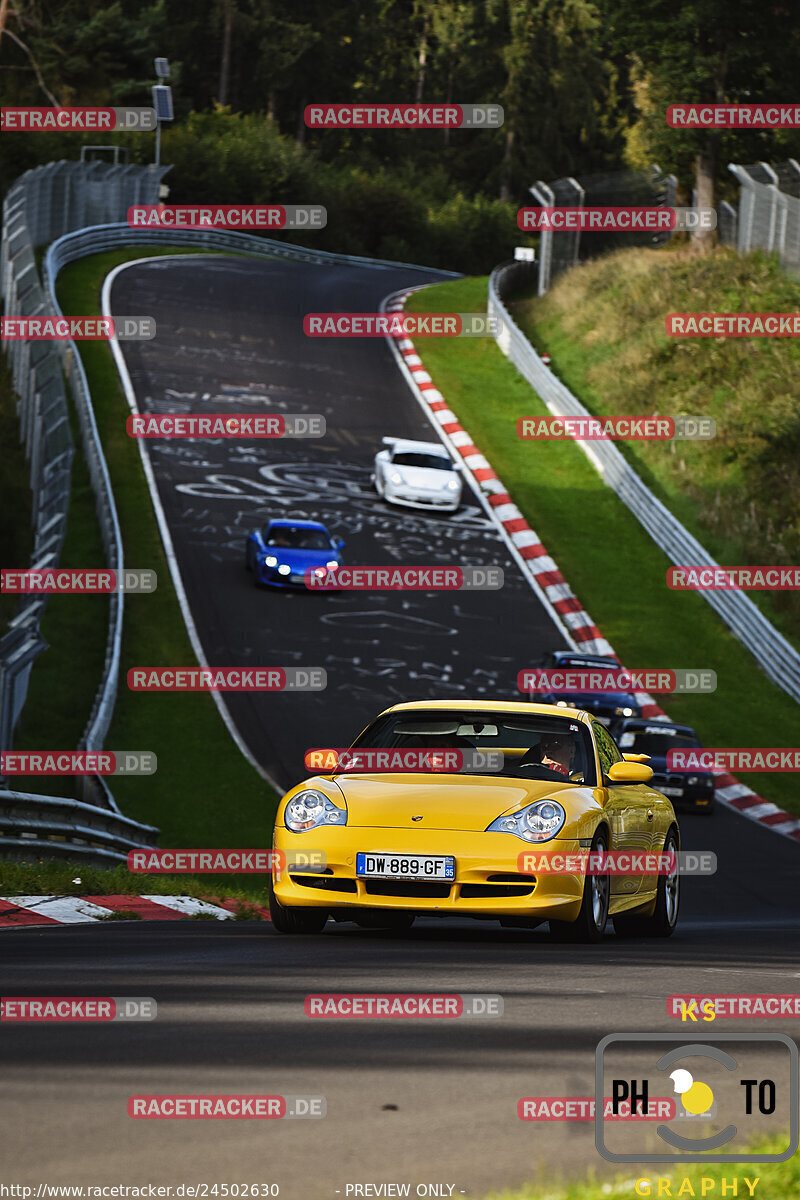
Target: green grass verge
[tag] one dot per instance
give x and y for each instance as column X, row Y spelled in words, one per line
column 775, row 1181
column 16, row 531
column 49, row 877
column 204, row 793
column 602, row 550
column 739, row 493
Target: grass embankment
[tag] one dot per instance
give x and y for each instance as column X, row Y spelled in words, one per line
column 204, row 793
column 738, row 493
column 602, row 550
column 775, row 1181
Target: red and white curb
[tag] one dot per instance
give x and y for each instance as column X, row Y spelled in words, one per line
column 545, row 575
column 89, row 910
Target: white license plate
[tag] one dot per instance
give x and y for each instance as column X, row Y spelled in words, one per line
column 406, row 866
column 672, row 791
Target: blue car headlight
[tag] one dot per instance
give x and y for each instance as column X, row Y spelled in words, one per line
column 536, row 823
column 271, row 561
column 309, row 809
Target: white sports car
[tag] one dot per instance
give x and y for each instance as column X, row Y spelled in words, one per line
column 417, row 475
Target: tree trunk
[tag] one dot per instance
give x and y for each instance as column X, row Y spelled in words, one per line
column 704, row 166
column 225, row 64
column 505, row 191
column 421, row 61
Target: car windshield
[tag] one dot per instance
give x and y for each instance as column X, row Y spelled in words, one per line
column 655, row 742
column 415, row 458
column 294, row 538
column 533, row 747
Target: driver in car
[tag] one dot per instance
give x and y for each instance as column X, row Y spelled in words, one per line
column 557, row 753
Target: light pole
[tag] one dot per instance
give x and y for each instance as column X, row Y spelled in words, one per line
column 162, row 102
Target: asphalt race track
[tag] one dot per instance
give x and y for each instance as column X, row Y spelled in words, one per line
column 408, row 1101
column 231, row 323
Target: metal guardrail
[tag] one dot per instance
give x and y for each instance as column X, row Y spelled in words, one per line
column 774, row 654
column 43, row 204
column 52, row 827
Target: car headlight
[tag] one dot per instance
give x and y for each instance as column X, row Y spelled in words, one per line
column 623, row 712
column 703, row 780
column 271, row 560
column 562, row 703
column 310, row 809
column 284, row 569
column 453, row 484
column 537, row 823
column 332, row 565
column 395, row 477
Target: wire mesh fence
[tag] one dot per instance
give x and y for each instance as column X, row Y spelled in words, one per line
column 769, row 210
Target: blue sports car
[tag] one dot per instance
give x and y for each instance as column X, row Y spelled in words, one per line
column 280, row 554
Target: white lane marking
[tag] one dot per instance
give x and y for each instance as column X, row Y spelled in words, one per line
column 189, row 905
column 68, row 910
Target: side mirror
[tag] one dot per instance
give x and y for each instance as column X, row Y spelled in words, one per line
column 642, row 758
column 629, row 772
column 341, row 545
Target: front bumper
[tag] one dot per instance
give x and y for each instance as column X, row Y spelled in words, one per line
column 440, row 502
column 479, row 857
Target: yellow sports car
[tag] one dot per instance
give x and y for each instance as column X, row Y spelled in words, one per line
column 491, row 814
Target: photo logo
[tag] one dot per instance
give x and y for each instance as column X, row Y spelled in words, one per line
column 240, row 1107
column 710, row 1008
column 206, row 862
column 755, row 1076
column 78, row 1008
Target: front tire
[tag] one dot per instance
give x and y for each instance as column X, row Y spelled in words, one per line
column 294, row 920
column 593, row 916
column 664, row 918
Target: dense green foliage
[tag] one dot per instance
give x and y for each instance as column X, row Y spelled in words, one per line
column 583, row 83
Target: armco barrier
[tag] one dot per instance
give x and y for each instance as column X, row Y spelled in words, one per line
column 43, row 204
column 47, row 826
column 777, row 658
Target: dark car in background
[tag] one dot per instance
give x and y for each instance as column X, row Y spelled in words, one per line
column 689, row 792
column 609, row 707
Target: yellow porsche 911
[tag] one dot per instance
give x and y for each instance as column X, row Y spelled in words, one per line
column 499, row 792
